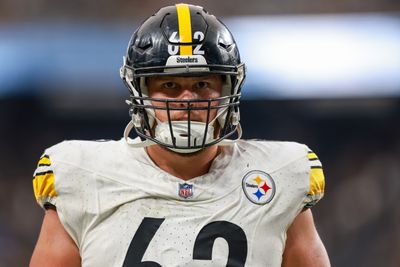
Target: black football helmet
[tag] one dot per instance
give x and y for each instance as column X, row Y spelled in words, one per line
column 183, row 40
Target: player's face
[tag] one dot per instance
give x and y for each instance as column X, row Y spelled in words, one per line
column 185, row 88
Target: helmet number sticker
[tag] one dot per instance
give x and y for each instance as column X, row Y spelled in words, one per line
column 199, row 36
column 174, row 49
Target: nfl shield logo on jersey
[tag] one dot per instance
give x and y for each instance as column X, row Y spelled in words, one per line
column 185, row 190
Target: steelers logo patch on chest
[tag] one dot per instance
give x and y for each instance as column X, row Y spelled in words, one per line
column 259, row 187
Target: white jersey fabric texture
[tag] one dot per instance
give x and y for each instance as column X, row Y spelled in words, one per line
column 122, row 210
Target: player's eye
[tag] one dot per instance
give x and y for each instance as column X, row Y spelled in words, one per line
column 169, row 85
column 201, row 85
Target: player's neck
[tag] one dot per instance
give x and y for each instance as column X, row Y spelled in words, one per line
column 184, row 166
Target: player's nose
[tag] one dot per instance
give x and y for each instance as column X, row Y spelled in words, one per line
column 187, row 93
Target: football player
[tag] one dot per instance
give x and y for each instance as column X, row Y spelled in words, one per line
column 187, row 191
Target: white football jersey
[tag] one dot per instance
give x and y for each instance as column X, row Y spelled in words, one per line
column 122, row 210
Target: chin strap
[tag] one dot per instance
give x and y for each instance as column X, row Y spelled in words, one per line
column 228, row 142
column 132, row 142
column 147, row 142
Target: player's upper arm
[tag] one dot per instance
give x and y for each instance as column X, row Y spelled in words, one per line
column 304, row 247
column 54, row 247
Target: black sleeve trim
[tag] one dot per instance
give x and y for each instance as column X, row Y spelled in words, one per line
column 49, row 206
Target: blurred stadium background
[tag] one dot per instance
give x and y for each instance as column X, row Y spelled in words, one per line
column 326, row 73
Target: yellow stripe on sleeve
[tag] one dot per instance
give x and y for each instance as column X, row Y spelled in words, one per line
column 312, row 155
column 43, row 185
column 317, row 181
column 44, row 161
column 185, row 29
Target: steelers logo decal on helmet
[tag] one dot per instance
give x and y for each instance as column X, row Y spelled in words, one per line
column 259, row 187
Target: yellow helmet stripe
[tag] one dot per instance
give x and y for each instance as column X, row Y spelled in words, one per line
column 185, row 29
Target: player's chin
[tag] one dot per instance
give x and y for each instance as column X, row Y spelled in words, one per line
column 187, row 154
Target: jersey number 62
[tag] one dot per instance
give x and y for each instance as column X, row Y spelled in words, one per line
column 202, row 250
